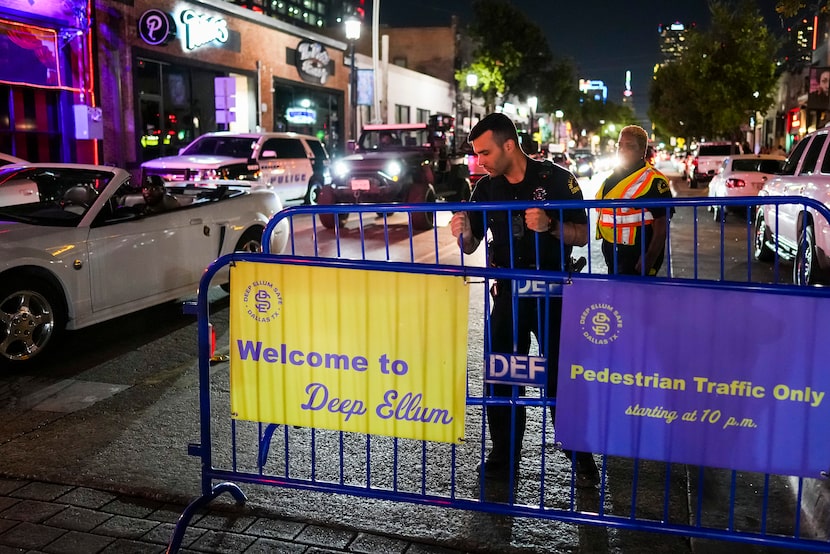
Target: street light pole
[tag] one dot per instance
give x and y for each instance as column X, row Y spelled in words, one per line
column 353, row 35
column 472, row 82
column 558, row 114
column 532, row 103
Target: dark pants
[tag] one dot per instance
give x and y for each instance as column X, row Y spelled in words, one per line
column 531, row 318
column 627, row 258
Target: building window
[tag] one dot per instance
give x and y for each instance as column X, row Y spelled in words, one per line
column 401, row 114
column 29, row 124
column 421, row 116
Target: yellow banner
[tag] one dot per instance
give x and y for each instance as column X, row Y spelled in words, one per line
column 354, row 350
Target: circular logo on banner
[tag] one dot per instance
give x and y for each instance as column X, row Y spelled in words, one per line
column 600, row 323
column 156, row 27
column 262, row 301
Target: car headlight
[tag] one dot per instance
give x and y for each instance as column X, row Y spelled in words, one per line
column 394, row 169
column 205, row 174
column 340, row 169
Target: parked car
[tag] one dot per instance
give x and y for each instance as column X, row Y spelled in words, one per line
column 7, row 159
column 82, row 250
column 405, row 162
column 562, row 158
column 708, row 159
column 792, row 231
column 295, row 166
column 583, row 163
column 743, row 175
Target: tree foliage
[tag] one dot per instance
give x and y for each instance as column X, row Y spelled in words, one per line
column 592, row 115
column 513, row 57
column 789, row 8
column 725, row 74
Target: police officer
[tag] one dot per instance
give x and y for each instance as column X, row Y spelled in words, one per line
column 513, row 176
column 623, row 229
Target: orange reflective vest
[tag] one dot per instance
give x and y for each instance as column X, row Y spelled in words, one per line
column 623, row 221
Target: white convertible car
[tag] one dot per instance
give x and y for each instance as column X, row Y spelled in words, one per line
column 77, row 248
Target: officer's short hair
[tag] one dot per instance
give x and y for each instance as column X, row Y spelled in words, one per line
column 639, row 135
column 501, row 125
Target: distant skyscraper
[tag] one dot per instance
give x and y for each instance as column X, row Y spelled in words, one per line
column 798, row 48
column 628, row 94
column 319, row 14
column 672, row 41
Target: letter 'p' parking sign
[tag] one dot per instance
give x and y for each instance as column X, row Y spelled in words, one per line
column 156, row 28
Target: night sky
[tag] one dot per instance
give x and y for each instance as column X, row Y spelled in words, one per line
column 604, row 39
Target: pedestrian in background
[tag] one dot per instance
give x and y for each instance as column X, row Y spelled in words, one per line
column 624, row 229
column 512, row 176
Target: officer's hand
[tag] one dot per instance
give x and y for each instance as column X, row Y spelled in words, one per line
column 460, row 226
column 536, row 219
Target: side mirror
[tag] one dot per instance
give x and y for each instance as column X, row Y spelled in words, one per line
column 268, row 154
column 181, row 150
column 351, row 146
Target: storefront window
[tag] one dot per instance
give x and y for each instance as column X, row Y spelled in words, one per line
column 310, row 111
column 176, row 104
column 29, row 123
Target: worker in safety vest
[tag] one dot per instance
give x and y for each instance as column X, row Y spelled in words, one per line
column 623, row 229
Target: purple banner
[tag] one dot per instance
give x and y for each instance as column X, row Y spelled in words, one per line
column 712, row 377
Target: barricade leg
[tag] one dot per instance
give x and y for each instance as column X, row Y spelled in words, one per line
column 198, row 504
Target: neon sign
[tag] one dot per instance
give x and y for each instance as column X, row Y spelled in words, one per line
column 201, row 29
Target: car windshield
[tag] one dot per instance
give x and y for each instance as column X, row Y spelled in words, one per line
column 717, row 149
column 232, row 147
column 394, row 139
column 49, row 196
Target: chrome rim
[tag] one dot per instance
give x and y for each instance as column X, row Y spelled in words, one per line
column 804, row 263
column 314, row 193
column 252, row 245
column 26, row 324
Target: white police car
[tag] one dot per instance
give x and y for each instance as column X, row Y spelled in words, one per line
column 295, row 166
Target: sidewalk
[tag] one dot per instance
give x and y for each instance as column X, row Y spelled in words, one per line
column 43, row 517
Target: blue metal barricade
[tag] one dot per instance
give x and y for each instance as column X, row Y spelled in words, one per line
column 653, row 496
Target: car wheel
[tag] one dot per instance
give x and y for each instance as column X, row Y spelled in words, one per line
column 419, row 194
column 763, row 237
column 330, row 220
column 805, row 270
column 31, row 320
column 313, row 192
column 250, row 241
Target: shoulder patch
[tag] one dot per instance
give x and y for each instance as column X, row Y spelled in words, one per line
column 573, row 185
column 662, row 186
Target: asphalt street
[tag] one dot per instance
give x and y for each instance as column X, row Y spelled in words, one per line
column 120, row 426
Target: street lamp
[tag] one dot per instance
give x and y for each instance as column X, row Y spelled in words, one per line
column 558, row 114
column 532, row 103
column 472, row 82
column 352, row 24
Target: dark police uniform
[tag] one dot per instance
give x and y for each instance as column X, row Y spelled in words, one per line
column 542, row 181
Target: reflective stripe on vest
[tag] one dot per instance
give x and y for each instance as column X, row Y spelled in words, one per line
column 620, row 225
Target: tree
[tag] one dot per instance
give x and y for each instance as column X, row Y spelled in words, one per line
column 591, row 116
column 505, row 33
column 725, row 74
column 513, row 57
